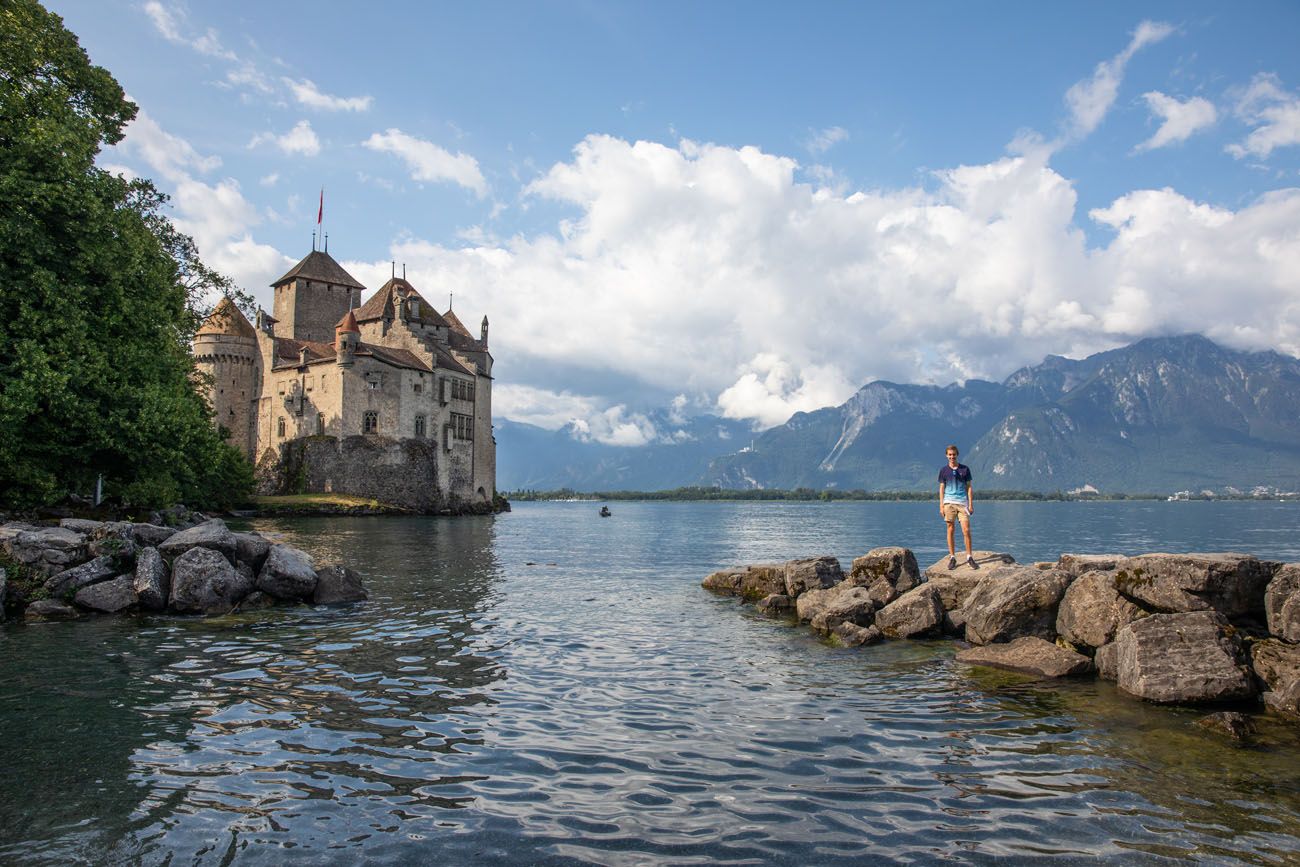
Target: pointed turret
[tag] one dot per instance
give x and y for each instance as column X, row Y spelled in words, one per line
column 347, row 335
column 484, row 333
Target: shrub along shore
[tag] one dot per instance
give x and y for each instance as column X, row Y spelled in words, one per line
column 1168, row 628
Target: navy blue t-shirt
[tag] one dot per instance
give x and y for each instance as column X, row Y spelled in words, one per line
column 955, row 483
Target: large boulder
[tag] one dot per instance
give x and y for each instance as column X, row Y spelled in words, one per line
column 47, row 550
column 288, row 573
column 853, row 635
column 749, row 582
column 1030, row 655
column 151, row 535
column 776, row 605
column 1093, row 610
column 251, row 548
column 887, row 572
column 955, row 585
column 204, row 582
column 724, row 581
column 1277, row 664
column 90, row 572
column 1232, row 584
column 812, row 573
column 1190, row 657
column 1107, row 661
column 84, row 526
column 1013, row 602
column 336, row 585
column 917, row 612
column 213, row 535
column 1282, row 603
column 845, row 603
column 1077, row 564
column 108, row 596
column 151, row 582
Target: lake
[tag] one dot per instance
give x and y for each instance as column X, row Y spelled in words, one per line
column 550, row 687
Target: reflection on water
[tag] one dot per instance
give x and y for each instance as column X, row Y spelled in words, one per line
column 550, row 687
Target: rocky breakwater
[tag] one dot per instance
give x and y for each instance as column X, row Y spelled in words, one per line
column 115, row 567
column 1167, row 628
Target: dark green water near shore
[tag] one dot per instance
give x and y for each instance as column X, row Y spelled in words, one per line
column 549, row 687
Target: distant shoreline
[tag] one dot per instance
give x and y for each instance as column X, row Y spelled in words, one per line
column 809, row 495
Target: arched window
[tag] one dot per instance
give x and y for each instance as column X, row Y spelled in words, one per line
column 419, row 426
column 370, row 422
column 280, row 427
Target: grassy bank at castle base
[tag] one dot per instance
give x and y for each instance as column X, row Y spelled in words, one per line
column 323, row 504
column 808, row 494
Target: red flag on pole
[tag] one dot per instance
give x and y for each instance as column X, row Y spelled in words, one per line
column 320, row 212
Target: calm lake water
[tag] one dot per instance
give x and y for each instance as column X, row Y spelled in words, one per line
column 547, row 687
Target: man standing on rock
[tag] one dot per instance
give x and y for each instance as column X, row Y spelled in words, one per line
column 956, row 502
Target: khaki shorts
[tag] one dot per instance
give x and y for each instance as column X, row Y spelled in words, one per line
column 953, row 512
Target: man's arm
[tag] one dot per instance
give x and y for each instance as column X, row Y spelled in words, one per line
column 941, row 499
column 970, row 498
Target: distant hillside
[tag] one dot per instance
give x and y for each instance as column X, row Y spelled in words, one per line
column 530, row 457
column 1161, row 415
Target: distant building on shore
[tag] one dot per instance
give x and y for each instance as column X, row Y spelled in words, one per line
column 387, row 399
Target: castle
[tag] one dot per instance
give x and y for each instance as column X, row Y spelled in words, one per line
column 387, row 399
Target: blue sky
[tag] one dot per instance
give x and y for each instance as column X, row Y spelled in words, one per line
column 740, row 208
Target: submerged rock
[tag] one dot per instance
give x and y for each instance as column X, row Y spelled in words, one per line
column 337, row 585
column 1182, row 658
column 1235, row 725
column 50, row 609
column 1029, row 655
column 852, row 635
column 204, row 582
column 288, row 573
column 776, row 605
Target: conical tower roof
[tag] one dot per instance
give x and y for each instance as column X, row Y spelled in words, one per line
column 455, row 324
column 229, row 320
column 348, row 323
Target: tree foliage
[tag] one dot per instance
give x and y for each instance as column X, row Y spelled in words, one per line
column 99, row 296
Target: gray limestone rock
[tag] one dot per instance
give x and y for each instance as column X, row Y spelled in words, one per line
column 50, row 609
column 1013, row 602
column 288, row 573
column 917, row 612
column 251, row 548
column 204, row 582
column 1277, row 664
column 90, row 572
column 1107, row 661
column 724, row 581
column 955, row 585
column 1030, row 655
column 257, row 601
column 83, row 526
column 843, row 603
column 1229, row 723
column 151, row 582
column 213, row 535
column 852, row 635
column 1282, row 603
column 1232, row 584
column 108, row 596
column 47, row 550
column 1188, row 657
column 812, row 573
column 749, row 582
column 776, row 605
column 1093, row 610
column 151, row 535
column 113, row 546
column 887, row 572
column 1077, row 564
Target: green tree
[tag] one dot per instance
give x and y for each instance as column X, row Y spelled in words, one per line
column 98, row 296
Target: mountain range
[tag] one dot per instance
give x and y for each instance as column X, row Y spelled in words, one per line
column 1160, row 415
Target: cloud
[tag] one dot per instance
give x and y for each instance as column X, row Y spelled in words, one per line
column 307, row 94
column 428, row 162
column 702, row 269
column 170, row 156
column 1275, row 114
column 169, row 23
column 1090, row 99
column 1180, row 119
column 301, row 139
column 586, row 418
column 820, row 141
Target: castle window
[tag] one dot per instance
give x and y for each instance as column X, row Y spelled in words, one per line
column 279, row 428
column 419, row 426
column 323, row 380
column 417, row 387
column 462, row 426
column 370, row 422
column 320, row 423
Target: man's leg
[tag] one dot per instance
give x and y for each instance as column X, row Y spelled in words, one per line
column 952, row 549
column 965, row 532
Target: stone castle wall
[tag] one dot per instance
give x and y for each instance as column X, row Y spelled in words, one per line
column 309, row 309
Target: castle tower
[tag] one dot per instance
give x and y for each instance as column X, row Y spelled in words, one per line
column 346, row 337
column 312, row 297
column 226, row 350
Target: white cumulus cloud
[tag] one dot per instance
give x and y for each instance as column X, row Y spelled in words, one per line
column 1179, row 118
column 1089, row 100
column 302, row 139
column 429, row 162
column 1275, row 114
column 306, row 92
